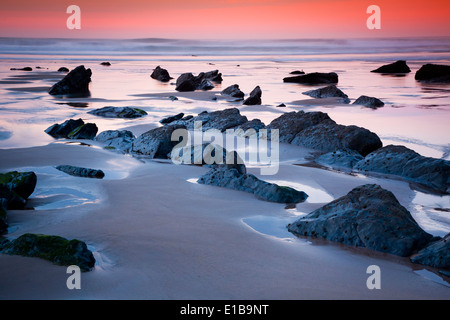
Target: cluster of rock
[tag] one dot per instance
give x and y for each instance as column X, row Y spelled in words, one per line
column 203, row 81
column 427, row 73
column 371, row 217
column 233, row 91
column 73, row 129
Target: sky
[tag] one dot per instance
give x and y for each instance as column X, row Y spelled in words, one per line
column 224, row 19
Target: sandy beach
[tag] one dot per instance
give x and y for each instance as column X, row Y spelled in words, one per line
column 157, row 234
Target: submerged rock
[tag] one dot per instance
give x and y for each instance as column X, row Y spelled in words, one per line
column 119, row 112
column 81, row 172
column 314, row 78
column 53, row 248
column 231, row 178
column 399, row 66
column 406, row 163
column 117, row 139
column 433, row 73
column 436, row 254
column 233, row 91
column 326, row 92
column 75, row 82
column 368, row 216
column 254, row 97
column 161, row 74
column 370, row 102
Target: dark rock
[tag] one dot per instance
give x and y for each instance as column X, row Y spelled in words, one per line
column 186, row 82
column 254, row 97
column 156, row 143
column 189, row 82
column 161, row 74
column 86, row 131
column 119, row 112
column 289, row 124
column 22, row 69
column 399, row 66
column 117, row 139
column 219, row 120
column 328, row 136
column 339, row 159
column 21, row 183
column 3, row 216
column 314, row 78
column 173, row 98
column 231, row 178
column 433, row 73
column 401, row 161
column 214, row 76
column 297, row 72
column 281, row 105
column 81, row 172
column 249, row 128
column 326, row 92
column 233, row 91
column 370, row 102
column 63, row 69
column 368, row 216
column 75, row 82
column 204, row 85
column 53, row 248
column 106, row 63
column 172, row 118
column 436, row 254
column 63, row 130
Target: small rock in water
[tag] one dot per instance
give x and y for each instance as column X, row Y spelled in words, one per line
column 233, row 91
column 76, row 82
column 254, row 97
column 161, row 74
column 22, row 69
column 399, row 66
column 106, row 63
column 119, row 112
column 370, row 102
column 314, row 78
column 81, row 172
column 433, row 73
column 63, row 69
column 326, row 92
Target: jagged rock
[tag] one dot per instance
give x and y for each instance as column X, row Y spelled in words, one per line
column 401, row 161
column 314, row 78
column 231, row 178
column 81, row 172
column 291, row 123
column 326, row 92
column 156, row 143
column 214, row 76
column 436, row 254
column 233, row 91
column 86, row 131
column 63, row 130
column 53, row 248
column 328, row 136
column 433, row 73
column 117, row 139
column 161, row 74
column 119, row 112
column 189, row 82
column 399, row 66
column 204, row 85
column 219, row 120
column 370, row 102
column 172, row 118
column 75, row 82
column 368, row 216
column 186, row 82
column 254, row 97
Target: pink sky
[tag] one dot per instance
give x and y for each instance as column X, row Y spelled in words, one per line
column 224, row 19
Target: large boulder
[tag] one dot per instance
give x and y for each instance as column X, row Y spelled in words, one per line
column 233, row 91
column 328, row 136
column 53, row 248
column 314, row 78
column 119, row 112
column 161, row 74
column 74, row 83
column 433, row 73
column 291, row 123
column 399, row 66
column 81, row 172
column 370, row 102
column 116, row 139
column 368, row 216
column 326, row 92
column 254, row 97
column 15, row 188
column 436, row 254
column 231, row 178
column 156, row 143
column 408, row 164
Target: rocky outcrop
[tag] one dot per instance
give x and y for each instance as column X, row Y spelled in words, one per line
column 76, row 82
column 73, row 129
column 314, row 78
column 231, row 178
column 81, row 172
column 368, row 216
column 399, row 66
column 436, row 254
column 161, row 74
column 370, row 102
column 53, row 248
column 156, row 143
column 233, row 91
column 326, row 92
column 406, row 163
column 119, row 112
column 433, row 73
column 254, row 97
column 121, row 140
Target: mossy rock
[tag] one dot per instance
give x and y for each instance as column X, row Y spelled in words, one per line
column 52, row 248
column 22, row 183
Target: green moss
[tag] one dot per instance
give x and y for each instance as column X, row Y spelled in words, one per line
column 140, row 111
column 75, row 131
column 109, row 148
